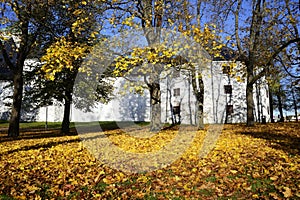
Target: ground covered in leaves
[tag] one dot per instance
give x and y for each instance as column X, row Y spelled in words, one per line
column 261, row 162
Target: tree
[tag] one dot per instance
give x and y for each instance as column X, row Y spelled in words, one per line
column 262, row 30
column 153, row 17
column 150, row 15
column 78, row 30
column 292, row 96
column 28, row 19
column 209, row 40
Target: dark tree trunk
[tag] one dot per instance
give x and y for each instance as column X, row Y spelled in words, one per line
column 155, row 112
column 171, row 106
column 280, row 108
column 254, row 38
column 250, row 105
column 65, row 126
column 295, row 104
column 14, row 123
column 271, row 106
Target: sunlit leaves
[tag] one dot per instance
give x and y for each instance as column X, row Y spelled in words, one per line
column 150, row 55
column 261, row 162
column 62, row 54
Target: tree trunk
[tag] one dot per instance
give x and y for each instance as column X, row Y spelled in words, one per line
column 271, row 105
column 258, row 101
column 200, row 119
column 189, row 101
column 200, row 101
column 171, row 106
column 295, row 104
column 280, row 108
column 65, row 127
column 14, row 123
column 250, row 105
column 155, row 112
column 198, row 90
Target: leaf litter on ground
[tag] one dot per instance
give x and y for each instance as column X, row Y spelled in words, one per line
column 261, row 162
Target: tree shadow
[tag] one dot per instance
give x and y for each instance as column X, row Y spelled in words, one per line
column 108, row 128
column 39, row 133
column 38, row 146
column 51, row 143
column 280, row 137
column 28, row 134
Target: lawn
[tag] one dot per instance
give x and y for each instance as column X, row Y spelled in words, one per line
column 261, row 162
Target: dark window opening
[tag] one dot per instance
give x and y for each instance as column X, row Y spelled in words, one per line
column 226, row 69
column 176, row 92
column 229, row 109
column 228, row 89
column 176, row 110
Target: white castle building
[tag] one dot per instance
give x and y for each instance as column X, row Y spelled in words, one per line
column 224, row 99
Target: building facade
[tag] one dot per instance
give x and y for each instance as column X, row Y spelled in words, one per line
column 224, row 100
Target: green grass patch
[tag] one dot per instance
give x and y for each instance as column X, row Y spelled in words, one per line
column 105, row 125
column 211, row 179
column 206, row 192
column 5, row 197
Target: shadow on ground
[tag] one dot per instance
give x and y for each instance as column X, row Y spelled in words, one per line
column 282, row 136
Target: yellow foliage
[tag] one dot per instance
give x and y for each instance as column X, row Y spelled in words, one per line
column 62, row 54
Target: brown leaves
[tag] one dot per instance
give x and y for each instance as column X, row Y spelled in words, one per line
column 242, row 166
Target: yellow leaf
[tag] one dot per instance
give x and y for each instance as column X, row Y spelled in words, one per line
column 288, row 192
column 143, row 179
column 274, row 178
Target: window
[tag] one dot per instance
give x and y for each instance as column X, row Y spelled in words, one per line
column 176, row 110
column 228, row 89
column 229, row 109
column 176, row 92
column 226, row 69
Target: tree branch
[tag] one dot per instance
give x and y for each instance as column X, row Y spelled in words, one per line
column 270, row 61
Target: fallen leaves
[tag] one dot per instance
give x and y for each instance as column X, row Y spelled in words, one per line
column 246, row 163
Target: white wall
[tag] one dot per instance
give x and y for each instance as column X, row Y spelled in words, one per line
column 215, row 98
column 135, row 107
column 123, row 107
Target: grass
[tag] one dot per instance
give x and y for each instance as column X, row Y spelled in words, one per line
column 34, row 125
column 105, row 125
